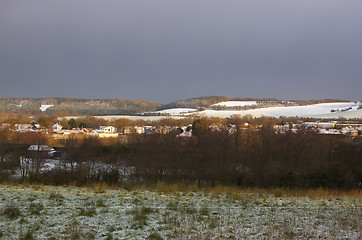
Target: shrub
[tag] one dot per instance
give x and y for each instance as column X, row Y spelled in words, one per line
column 140, row 216
column 36, row 208
column 56, row 197
column 88, row 212
column 27, row 236
column 11, row 211
column 100, row 203
column 155, row 236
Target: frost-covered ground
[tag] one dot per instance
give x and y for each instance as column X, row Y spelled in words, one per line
column 43, row 108
column 235, row 103
column 176, row 111
column 322, row 110
column 46, row 212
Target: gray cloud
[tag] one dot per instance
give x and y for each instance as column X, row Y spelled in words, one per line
column 165, row 50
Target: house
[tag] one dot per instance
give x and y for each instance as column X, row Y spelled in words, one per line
column 23, row 126
column 40, row 148
column 57, row 127
column 107, row 129
column 139, row 130
column 5, row 125
column 349, row 131
column 185, row 134
column 149, row 129
column 325, row 125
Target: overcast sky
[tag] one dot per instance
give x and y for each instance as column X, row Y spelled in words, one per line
column 167, row 50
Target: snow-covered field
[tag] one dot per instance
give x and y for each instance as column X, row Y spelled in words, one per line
column 176, row 111
column 323, row 110
column 235, row 103
column 46, row 212
column 43, row 108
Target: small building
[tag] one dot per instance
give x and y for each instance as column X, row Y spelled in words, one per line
column 5, row 125
column 149, row 129
column 139, row 130
column 23, row 126
column 325, row 125
column 107, row 129
column 40, row 148
column 57, row 127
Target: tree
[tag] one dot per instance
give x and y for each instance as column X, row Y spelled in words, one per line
column 47, row 121
column 121, row 123
column 4, row 147
column 73, row 123
column 200, row 127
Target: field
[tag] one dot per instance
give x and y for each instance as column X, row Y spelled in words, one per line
column 322, row 110
column 48, row 212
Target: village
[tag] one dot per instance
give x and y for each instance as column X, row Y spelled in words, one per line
column 57, row 131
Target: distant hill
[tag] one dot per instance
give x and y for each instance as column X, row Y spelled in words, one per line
column 205, row 102
column 77, row 106
column 198, row 102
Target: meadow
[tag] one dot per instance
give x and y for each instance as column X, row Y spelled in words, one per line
column 167, row 212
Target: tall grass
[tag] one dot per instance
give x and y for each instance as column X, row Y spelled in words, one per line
column 237, row 192
column 234, row 192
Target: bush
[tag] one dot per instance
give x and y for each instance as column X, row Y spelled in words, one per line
column 36, row 208
column 11, row 211
column 155, row 236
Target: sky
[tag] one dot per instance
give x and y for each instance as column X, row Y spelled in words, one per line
column 167, row 50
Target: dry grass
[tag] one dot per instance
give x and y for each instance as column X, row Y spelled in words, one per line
column 238, row 193
column 233, row 192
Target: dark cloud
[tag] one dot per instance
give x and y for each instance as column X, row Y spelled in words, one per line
column 169, row 50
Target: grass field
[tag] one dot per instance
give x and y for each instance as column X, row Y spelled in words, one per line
column 48, row 212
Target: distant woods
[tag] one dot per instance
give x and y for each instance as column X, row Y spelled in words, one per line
column 76, row 106
column 246, row 157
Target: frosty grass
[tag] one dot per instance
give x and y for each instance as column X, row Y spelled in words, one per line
column 47, row 212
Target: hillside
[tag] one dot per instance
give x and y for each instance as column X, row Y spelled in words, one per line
column 76, row 106
column 319, row 110
column 205, row 102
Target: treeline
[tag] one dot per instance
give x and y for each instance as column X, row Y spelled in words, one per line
column 205, row 102
column 247, row 158
column 76, row 106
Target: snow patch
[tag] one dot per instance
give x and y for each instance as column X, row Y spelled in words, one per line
column 235, row 103
column 43, row 108
column 176, row 111
column 314, row 110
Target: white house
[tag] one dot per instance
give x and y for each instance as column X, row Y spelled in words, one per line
column 57, row 127
column 23, row 126
column 107, row 129
column 139, row 130
column 42, row 148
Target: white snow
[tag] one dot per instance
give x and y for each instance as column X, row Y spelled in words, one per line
column 45, row 107
column 314, row 110
column 176, row 111
column 235, row 103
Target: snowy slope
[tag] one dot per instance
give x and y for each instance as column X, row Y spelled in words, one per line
column 235, row 103
column 43, row 108
column 176, row 111
column 315, row 110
